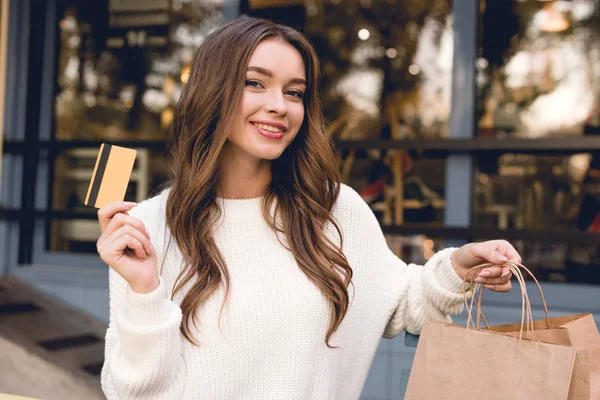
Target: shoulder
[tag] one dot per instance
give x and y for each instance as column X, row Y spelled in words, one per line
column 350, row 201
column 351, row 209
column 152, row 209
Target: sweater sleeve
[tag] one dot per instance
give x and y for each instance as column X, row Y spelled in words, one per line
column 431, row 292
column 143, row 351
column 421, row 293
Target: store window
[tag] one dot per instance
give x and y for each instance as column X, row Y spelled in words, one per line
column 122, row 64
column 538, row 78
column 121, row 67
column 539, row 68
column 534, row 192
column 387, row 74
column 387, row 66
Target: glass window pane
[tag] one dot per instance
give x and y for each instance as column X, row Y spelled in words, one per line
column 379, row 177
column 387, row 66
column 414, row 249
column 538, row 74
column 122, row 64
column 536, row 192
column 558, row 261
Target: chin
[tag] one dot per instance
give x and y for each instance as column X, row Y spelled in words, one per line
column 268, row 155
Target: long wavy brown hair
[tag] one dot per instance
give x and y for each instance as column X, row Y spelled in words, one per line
column 305, row 178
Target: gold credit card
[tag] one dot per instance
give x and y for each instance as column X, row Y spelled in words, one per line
column 111, row 175
column 13, row 397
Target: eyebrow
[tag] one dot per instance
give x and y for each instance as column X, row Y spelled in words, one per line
column 268, row 73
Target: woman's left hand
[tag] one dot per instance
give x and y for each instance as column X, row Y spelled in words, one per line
column 493, row 251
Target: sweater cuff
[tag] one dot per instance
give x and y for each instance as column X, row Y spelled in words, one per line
column 446, row 275
column 149, row 308
column 442, row 286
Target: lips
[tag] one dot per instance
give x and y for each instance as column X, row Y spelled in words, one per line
column 271, row 123
column 270, row 135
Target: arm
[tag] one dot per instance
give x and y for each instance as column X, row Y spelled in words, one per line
column 428, row 293
column 143, row 357
column 424, row 293
column 143, row 350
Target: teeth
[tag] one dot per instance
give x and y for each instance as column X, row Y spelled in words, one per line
column 268, row 128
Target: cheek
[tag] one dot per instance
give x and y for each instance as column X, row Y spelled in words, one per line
column 296, row 115
column 251, row 103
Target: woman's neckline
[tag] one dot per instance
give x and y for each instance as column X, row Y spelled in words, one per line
column 244, row 199
column 240, row 210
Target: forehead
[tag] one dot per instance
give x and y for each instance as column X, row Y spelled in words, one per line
column 280, row 57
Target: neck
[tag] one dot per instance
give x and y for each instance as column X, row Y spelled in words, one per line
column 242, row 176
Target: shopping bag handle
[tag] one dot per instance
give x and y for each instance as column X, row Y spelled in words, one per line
column 526, row 304
column 515, row 268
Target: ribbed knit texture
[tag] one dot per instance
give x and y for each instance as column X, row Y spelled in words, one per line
column 270, row 344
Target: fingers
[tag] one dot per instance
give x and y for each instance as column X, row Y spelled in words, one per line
column 507, row 249
column 497, row 275
column 111, row 252
column 506, row 287
column 488, row 251
column 106, row 213
column 113, row 243
column 494, row 281
column 135, row 233
column 496, row 252
column 128, row 241
column 121, row 219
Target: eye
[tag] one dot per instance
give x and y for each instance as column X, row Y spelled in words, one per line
column 296, row 93
column 254, row 84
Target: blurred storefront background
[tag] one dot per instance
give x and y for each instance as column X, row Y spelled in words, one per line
column 456, row 121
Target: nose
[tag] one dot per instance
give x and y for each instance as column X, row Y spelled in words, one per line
column 276, row 104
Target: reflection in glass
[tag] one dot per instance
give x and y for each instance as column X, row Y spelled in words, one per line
column 532, row 192
column 539, row 71
column 560, row 262
column 387, row 73
column 121, row 70
column 416, row 249
column 387, row 66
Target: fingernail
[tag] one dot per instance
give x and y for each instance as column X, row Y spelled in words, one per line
column 485, row 273
column 130, row 203
column 501, row 257
column 480, row 280
column 505, row 273
column 489, row 286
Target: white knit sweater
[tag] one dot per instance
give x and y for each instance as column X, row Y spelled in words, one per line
column 271, row 342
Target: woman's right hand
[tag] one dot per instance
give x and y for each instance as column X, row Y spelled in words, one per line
column 125, row 246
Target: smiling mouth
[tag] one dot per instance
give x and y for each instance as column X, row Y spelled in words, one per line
column 268, row 128
column 269, row 134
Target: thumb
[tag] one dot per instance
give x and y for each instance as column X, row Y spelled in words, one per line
column 497, row 257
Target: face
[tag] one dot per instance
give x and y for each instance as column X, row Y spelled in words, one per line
column 272, row 104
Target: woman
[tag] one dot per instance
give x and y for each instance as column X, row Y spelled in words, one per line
column 256, row 274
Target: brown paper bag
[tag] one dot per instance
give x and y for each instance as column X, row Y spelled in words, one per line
column 455, row 362
column 580, row 332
